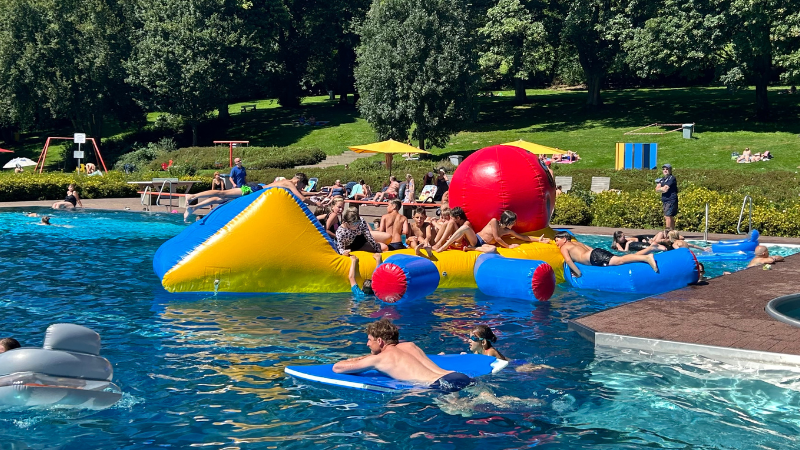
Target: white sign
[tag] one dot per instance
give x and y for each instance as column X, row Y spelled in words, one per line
column 77, row 154
column 79, row 138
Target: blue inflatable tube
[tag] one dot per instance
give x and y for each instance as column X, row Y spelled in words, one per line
column 748, row 244
column 676, row 269
column 737, row 256
column 525, row 279
column 405, row 277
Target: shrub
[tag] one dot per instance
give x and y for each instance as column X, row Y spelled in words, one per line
column 571, row 210
column 50, row 186
column 255, row 158
column 142, row 157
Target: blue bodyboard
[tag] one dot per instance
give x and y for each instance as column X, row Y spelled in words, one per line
column 471, row 365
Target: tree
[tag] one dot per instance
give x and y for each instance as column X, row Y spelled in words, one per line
column 514, row 44
column 188, row 55
column 590, row 26
column 416, row 66
column 61, row 59
column 738, row 37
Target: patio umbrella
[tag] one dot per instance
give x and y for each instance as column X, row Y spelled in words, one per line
column 22, row 162
column 536, row 148
column 2, row 150
column 389, row 148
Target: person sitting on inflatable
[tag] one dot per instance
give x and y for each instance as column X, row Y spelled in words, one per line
column 576, row 252
column 7, row 344
column 480, row 342
column 422, row 232
column 464, row 231
column 678, row 241
column 402, row 361
column 395, row 224
column 211, row 197
column 354, row 235
column 762, row 257
column 624, row 243
column 360, row 293
column 491, row 235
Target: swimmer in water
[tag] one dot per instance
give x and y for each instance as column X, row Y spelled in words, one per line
column 480, row 342
column 46, row 220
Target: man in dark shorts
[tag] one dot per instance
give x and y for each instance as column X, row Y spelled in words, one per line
column 668, row 186
column 576, row 252
column 401, row 361
column 395, row 224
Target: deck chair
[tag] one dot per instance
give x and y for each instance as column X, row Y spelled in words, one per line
column 349, row 188
column 565, row 183
column 312, row 183
column 427, row 194
column 600, row 184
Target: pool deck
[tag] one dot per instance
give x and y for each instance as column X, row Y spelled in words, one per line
column 722, row 319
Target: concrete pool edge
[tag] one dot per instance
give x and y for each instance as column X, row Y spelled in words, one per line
column 658, row 346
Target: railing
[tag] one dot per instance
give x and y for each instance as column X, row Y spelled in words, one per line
column 146, row 195
column 705, row 233
column 747, row 198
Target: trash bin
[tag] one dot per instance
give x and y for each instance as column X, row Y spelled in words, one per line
column 331, row 95
column 688, row 130
column 455, row 159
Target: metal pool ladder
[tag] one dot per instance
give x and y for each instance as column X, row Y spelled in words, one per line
column 747, row 199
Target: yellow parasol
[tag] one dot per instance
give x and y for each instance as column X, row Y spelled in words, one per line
column 389, row 148
column 536, row 148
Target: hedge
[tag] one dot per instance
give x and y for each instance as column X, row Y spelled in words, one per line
column 255, row 158
column 643, row 209
column 49, row 186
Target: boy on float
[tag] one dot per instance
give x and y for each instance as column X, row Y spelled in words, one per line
column 395, row 224
column 422, row 232
column 491, row 235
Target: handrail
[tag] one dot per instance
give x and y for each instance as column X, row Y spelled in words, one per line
column 146, row 194
column 741, row 214
column 705, row 233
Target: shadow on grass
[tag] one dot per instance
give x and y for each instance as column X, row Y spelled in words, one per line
column 714, row 110
column 277, row 127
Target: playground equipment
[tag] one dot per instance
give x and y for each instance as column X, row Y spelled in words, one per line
column 636, row 156
column 43, row 155
column 230, row 149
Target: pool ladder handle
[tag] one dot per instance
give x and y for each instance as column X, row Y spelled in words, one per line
column 747, row 199
column 146, row 195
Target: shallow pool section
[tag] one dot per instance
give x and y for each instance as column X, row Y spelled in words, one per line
column 206, row 371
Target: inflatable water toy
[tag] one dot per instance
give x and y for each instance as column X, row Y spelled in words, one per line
column 676, row 269
column 470, row 365
column 67, row 373
column 405, row 277
column 735, row 256
column 503, row 177
column 514, row 278
column 270, row 242
column 747, row 244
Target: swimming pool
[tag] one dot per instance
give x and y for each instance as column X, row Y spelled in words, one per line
column 208, row 371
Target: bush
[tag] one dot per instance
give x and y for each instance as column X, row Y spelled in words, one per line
column 571, row 210
column 52, row 186
column 255, row 158
column 142, row 157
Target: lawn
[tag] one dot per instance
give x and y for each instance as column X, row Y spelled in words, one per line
column 559, row 119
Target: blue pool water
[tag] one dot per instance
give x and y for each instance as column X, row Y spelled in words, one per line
column 204, row 371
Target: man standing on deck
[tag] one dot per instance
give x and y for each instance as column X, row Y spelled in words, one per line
column 394, row 223
column 401, row 361
column 668, row 186
column 238, row 174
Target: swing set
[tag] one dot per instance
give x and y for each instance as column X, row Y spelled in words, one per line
column 639, row 132
column 230, row 151
column 43, row 155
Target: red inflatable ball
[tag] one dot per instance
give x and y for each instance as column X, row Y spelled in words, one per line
column 503, row 177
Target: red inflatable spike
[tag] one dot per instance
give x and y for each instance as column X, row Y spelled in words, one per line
column 389, row 282
column 543, row 282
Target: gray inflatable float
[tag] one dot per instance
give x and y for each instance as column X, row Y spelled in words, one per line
column 67, row 373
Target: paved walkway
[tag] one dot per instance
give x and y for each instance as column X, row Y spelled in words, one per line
column 337, row 160
column 723, row 319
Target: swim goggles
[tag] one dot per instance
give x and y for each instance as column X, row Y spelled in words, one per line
column 474, row 338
